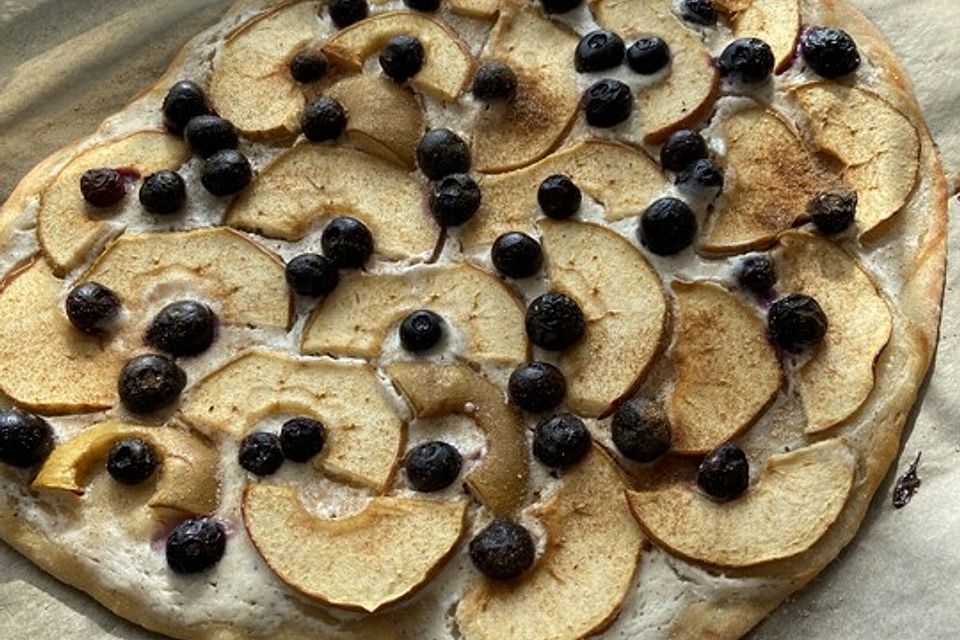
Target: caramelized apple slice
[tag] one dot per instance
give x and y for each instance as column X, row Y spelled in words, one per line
column 500, row 481
column 776, row 22
column 577, row 586
column 362, row 562
column 789, row 508
column 365, row 435
column 839, row 376
column 483, row 9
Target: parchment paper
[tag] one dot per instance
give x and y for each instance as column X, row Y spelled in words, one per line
column 67, row 64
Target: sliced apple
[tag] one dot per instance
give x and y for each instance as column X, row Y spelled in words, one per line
column 623, row 302
column 687, row 92
column 622, row 178
column 483, row 9
column 877, row 145
column 245, row 279
column 365, row 434
column 65, row 230
column 355, row 319
column 45, row 364
column 836, row 381
column 776, row 22
column 447, row 67
column 514, row 134
column 384, row 118
column 732, row 6
column 311, row 182
column 579, row 583
column 363, row 562
column 251, row 85
column 727, row 372
column 187, row 479
column 501, row 480
column 790, row 507
column 771, row 177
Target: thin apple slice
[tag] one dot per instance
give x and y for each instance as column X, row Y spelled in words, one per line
column 622, row 178
column 46, row 365
column 624, row 306
column 245, row 279
column 251, row 85
column 836, row 381
column 483, row 9
column 447, row 67
column 501, row 480
column 688, row 91
column 877, row 145
column 790, row 507
column 578, row 585
column 355, row 319
column 363, row 562
column 776, row 22
column 523, row 130
column 365, row 434
column 727, row 372
column 64, row 228
column 732, row 6
column 187, row 479
column 311, row 182
column 384, row 118
column 772, row 176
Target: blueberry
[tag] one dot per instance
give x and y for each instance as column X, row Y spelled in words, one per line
column 309, row 65
column 432, row 466
column 149, row 383
column 559, row 197
column 561, row 441
column 423, row 5
column 441, row 152
column 402, row 57
column 681, row 149
column 701, row 175
column 607, row 103
column 725, row 473
column 667, row 227
column 560, row 6
column 311, row 274
column 163, row 192
column 554, row 321
column 102, row 187
column 226, row 172
column 92, row 307
column 302, row 439
column 261, row 453
column 323, row 119
column 184, row 328
column 347, row 242
column 756, row 273
column 196, row 545
column 454, row 199
column 25, row 439
column 640, row 431
column 796, row 322
column 599, row 50
column 494, row 81
column 421, row 331
column 131, row 461
column 647, row 56
column 183, row 102
column 346, row 12
column 536, row 387
column 516, row 255
column 503, row 550
column 700, row 12
column 208, row 134
column 833, row 211
column 830, row 52
column 747, row 60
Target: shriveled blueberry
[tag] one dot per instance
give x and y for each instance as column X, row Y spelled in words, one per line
column 421, row 331
column 25, row 439
column 347, row 242
column 681, row 149
column 667, row 227
column 402, row 57
column 536, row 387
column 311, row 274
column 442, row 152
column 560, row 6
column 700, row 12
column 150, row 382
column 226, row 173
column 701, row 175
column 309, row 65
column 163, row 192
column 196, row 545
column 346, row 12
column 598, row 50
column 131, row 461
column 833, row 211
column 561, row 441
column 554, row 321
column 559, row 197
column 208, row 134
column 432, row 466
column 423, row 5
column 796, row 322
column 183, row 328
column 647, row 56
column 503, row 550
column 725, row 473
column 494, row 81
column 830, row 52
column 516, row 255
column 607, row 103
column 302, row 438
column 184, row 101
column 641, row 431
column 756, row 273
column 92, row 307
column 261, row 453
column 747, row 60
column 454, row 199
column 102, row 187
column 323, row 119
